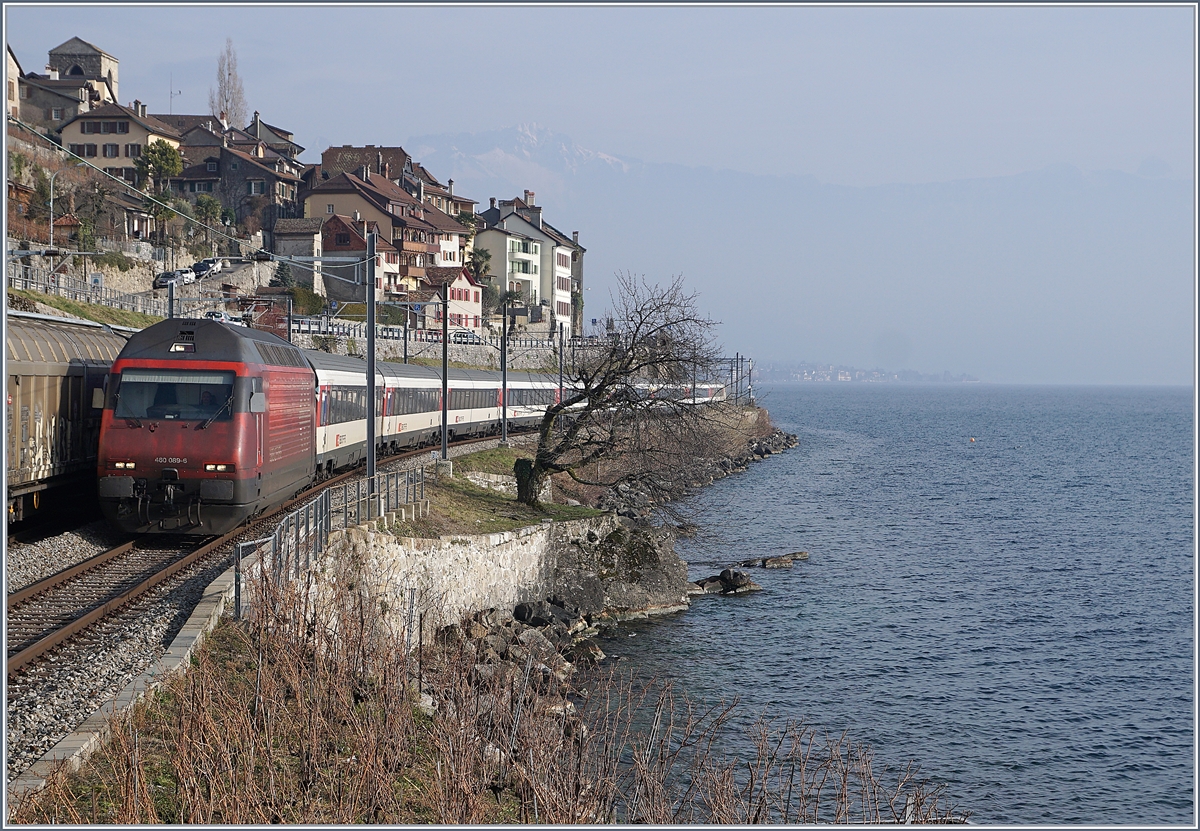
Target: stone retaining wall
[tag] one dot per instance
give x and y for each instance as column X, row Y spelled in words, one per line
column 598, row 564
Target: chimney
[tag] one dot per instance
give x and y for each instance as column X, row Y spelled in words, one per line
column 451, row 184
column 224, row 119
column 379, row 161
column 52, row 72
column 420, row 192
column 529, row 198
column 387, row 170
column 364, row 173
column 493, row 201
column 575, row 237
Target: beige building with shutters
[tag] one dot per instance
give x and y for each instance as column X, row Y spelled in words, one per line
column 113, row 137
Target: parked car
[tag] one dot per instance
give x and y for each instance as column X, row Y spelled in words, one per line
column 160, row 282
column 224, row 317
column 185, row 275
column 215, row 266
column 202, row 269
column 465, row 337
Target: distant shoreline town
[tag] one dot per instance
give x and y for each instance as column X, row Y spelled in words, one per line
column 832, row 372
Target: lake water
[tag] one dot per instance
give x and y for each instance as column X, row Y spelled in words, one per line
column 1014, row 614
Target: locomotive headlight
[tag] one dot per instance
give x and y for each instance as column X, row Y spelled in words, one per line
column 123, row 465
column 218, row 468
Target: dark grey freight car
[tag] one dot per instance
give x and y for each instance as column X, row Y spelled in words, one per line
column 54, row 364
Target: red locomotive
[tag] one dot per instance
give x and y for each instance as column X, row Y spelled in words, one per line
column 204, row 425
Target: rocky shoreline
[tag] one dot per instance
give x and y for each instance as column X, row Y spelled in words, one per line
column 640, row 577
column 635, row 504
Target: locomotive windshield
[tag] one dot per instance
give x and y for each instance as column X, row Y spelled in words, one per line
column 173, row 394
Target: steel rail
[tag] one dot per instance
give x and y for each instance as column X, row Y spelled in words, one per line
column 21, row 595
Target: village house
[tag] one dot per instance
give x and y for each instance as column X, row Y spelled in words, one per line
column 343, row 236
column 115, row 136
column 464, row 302
column 79, row 78
column 464, row 298
column 255, row 185
column 401, row 217
column 534, row 258
column 451, row 238
column 301, row 238
column 246, row 174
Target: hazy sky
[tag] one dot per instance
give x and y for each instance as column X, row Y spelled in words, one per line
column 851, row 95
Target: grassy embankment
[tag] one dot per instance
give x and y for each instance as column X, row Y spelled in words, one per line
column 88, row 311
column 457, row 506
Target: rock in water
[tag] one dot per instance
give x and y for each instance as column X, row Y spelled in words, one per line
column 733, row 579
column 778, row 562
column 737, row 582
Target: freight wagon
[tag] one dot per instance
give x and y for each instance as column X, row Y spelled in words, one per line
column 55, row 365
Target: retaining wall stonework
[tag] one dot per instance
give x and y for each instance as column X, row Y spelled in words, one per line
column 606, row 569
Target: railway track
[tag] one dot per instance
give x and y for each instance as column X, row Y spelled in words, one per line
column 45, row 614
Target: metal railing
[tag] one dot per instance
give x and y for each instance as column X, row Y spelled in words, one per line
column 361, row 503
column 326, row 326
column 44, row 281
column 302, row 536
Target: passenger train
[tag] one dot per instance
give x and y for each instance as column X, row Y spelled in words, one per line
column 206, row 425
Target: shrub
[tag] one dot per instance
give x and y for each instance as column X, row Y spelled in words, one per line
column 306, row 301
column 114, row 259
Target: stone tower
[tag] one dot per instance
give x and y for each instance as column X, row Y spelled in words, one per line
column 79, row 58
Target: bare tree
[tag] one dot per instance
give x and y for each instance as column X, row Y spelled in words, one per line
column 626, row 398
column 228, row 98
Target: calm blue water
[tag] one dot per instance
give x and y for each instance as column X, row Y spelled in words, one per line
column 1015, row 614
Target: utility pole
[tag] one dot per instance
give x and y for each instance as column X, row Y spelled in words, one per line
column 504, row 376
column 560, row 369
column 370, row 362
column 170, row 298
column 445, row 366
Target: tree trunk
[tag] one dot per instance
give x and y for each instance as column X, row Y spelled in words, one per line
column 529, row 482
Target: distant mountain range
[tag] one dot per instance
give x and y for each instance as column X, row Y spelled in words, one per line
column 1054, row 275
